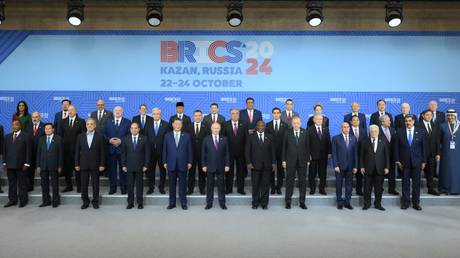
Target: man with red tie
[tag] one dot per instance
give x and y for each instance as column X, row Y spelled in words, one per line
column 36, row 130
column 250, row 115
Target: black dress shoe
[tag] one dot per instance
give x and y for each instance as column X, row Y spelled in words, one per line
column 273, row 191
column 340, row 206
column 348, row 206
column 394, row 192
column 162, row 191
column 366, row 207
column 312, row 192
column 21, row 205
column 184, row 207
column 359, row 193
column 254, row 207
column 404, row 206
column 55, row 205
column 417, row 207
column 95, row 205
column 9, row 204
column 67, row 189
column 112, row 192
column 189, row 192
column 322, row 192
column 202, row 192
column 242, row 192
column 85, row 206
column 278, row 191
column 223, row 206
column 264, row 207
column 380, row 208
column 78, row 191
column 303, row 206
column 140, row 206
column 228, row 192
column 45, row 204
column 433, row 192
column 171, row 207
column 130, row 206
column 30, row 189
column 150, row 191
column 1, row 191
column 123, row 192
column 208, row 206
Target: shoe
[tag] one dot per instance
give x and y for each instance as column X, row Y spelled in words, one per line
column 162, row 191
column 273, row 191
column 404, row 206
column 223, row 206
column 150, row 191
column 189, row 192
column 254, row 207
column 140, row 206
column 242, row 192
column 130, row 206
column 322, row 192
column 433, row 192
column 366, row 207
column 9, row 204
column 287, row 206
column 340, row 206
column 23, row 204
column 95, row 205
column 67, row 189
column 348, row 206
column 208, row 206
column 417, row 207
column 264, row 207
column 85, row 206
column 55, row 205
column 228, row 192
column 123, row 192
column 112, row 192
column 312, row 192
column 393, row 192
column 359, row 193
column 184, row 207
column 380, row 208
column 45, row 204
column 278, row 191
column 303, row 206
column 78, row 191
column 202, row 192
column 1, row 191
column 171, row 207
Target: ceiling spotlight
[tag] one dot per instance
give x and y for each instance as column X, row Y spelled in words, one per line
column 75, row 12
column 235, row 13
column 154, row 12
column 394, row 15
column 314, row 13
column 2, row 11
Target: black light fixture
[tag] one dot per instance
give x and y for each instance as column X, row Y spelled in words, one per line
column 75, row 12
column 314, row 13
column 235, row 13
column 154, row 12
column 394, row 15
column 2, row 11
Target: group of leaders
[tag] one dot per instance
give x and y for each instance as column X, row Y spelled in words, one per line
column 205, row 151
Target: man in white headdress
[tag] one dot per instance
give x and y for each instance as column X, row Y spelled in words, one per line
column 449, row 173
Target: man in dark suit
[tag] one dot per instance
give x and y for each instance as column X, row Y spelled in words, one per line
column 90, row 161
column 155, row 133
column 410, row 156
column 381, row 106
column 389, row 134
column 143, row 119
column 360, row 135
column 399, row 119
column 61, row 115
column 250, row 116
column 36, row 130
column 115, row 131
column 213, row 117
column 177, row 159
column 71, row 127
column 1, row 150
column 236, row 132
column 186, row 121
column 433, row 148
column 320, row 150
column 17, row 151
column 135, row 156
column 198, row 131
column 296, row 156
column 261, row 158
column 439, row 117
column 355, row 112
column 374, row 163
column 101, row 115
column 318, row 110
column 345, row 163
column 277, row 129
column 288, row 113
column 50, row 160
column 215, row 159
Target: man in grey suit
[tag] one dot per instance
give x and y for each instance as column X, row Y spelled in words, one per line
column 101, row 115
column 288, row 113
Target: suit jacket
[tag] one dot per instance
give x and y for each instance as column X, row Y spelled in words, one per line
column 197, row 139
column 260, row 154
column 343, row 157
column 433, row 140
column 207, row 120
column 135, row 158
column 256, row 117
column 186, row 122
column 178, row 157
column 148, row 122
column 414, row 155
column 285, row 119
column 58, row 122
column 400, row 121
column 69, row 134
column 236, row 142
column 52, row 158
column 215, row 159
column 156, row 140
column 100, row 124
column 35, row 137
column 90, row 157
column 311, row 122
column 112, row 131
column 320, row 148
column 379, row 160
column 391, row 142
column 440, row 118
column 19, row 152
column 1, row 141
column 277, row 137
column 296, row 153
column 361, row 117
column 375, row 118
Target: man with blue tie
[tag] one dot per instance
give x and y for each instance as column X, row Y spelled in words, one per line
column 215, row 159
column 143, row 119
column 177, row 159
column 115, row 131
column 345, row 163
column 410, row 157
column 250, row 115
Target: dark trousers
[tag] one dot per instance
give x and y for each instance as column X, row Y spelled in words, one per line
column 18, row 183
column 45, row 183
column 291, row 172
column 317, row 167
column 151, row 173
column 373, row 180
column 196, row 165
column 391, row 178
column 173, row 175
column 85, row 177
column 211, row 177
column 31, row 175
column 430, row 172
column 279, row 174
column 115, row 173
column 260, row 186
column 359, row 182
column 347, row 176
column 68, row 171
column 135, row 179
column 240, row 168
column 408, row 175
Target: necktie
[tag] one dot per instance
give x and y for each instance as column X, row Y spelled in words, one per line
column 373, row 145
column 142, row 121
column 71, row 122
column 320, row 133
column 289, row 115
column 261, row 139
column 35, row 129
column 276, row 126
column 117, row 122
column 197, row 129
column 180, row 116
column 235, row 129
column 213, row 118
column 216, row 142
column 356, row 133
column 156, row 128
column 434, row 116
column 15, row 135
column 387, row 134
column 176, row 138
column 99, row 116
column 346, row 140
column 429, row 128
column 48, row 142
column 134, row 142
column 410, row 137
column 297, row 137
column 250, row 116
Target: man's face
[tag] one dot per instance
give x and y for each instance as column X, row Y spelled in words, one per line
column 214, row 109
column 16, row 126
column 260, row 126
column 177, row 125
column 143, row 110
column 374, row 132
column 197, row 117
column 405, row 109
column 72, row 111
column 345, row 128
column 318, row 110
column 289, row 105
column 134, row 129
column 100, row 105
column 433, row 106
column 117, row 112
column 318, row 120
column 156, row 114
column 35, row 117
column 381, row 106
column 90, row 125
column 215, row 128
column 409, row 122
column 235, row 115
column 427, row 116
column 65, row 105
column 276, row 114
column 180, row 110
column 386, row 122
column 296, row 124
column 355, row 107
column 250, row 104
column 451, row 118
column 355, row 121
column 49, row 130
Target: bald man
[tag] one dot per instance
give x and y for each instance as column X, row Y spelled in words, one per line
column 101, row 115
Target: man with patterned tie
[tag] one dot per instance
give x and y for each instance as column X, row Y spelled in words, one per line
column 288, row 113
column 36, row 130
column 101, row 115
column 143, row 119
column 250, row 116
column 390, row 136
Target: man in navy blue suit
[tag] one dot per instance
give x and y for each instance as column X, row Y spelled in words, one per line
column 355, row 112
column 177, row 160
column 411, row 159
column 215, row 159
column 381, row 106
column 61, row 115
column 115, row 131
column 360, row 135
column 345, row 162
column 250, row 115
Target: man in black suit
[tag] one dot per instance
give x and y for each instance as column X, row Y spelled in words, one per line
column 198, row 131
column 399, row 119
column 236, row 132
column 433, row 148
column 296, row 156
column 374, row 163
column 50, row 160
column 1, row 150
column 355, row 112
column 320, row 149
column 215, row 159
column 186, row 121
column 135, row 156
column 214, row 117
column 360, row 135
column 318, row 110
column 261, row 158
column 410, row 156
column 381, row 106
column 143, row 119
column 439, row 117
column 36, row 130
column 61, row 115
column 71, row 127
column 155, row 133
column 90, row 161
column 17, row 151
column 277, row 128
column 389, row 134
column 101, row 115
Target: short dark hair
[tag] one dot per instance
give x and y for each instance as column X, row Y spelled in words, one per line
column 378, row 101
column 353, row 116
column 214, row 104
column 317, row 105
column 426, row 111
column 409, row 116
column 68, row 100
column 197, row 111
column 250, row 98
column 138, row 125
column 143, row 105
column 176, row 119
column 288, row 100
column 52, row 125
column 276, row 108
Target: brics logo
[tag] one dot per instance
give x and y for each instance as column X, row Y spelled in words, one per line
column 201, row 51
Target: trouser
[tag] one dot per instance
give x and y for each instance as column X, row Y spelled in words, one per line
column 173, row 175
column 68, row 171
column 317, row 167
column 31, row 175
column 260, row 186
column 135, row 179
column 392, row 178
column 116, row 173
column 85, row 178
column 196, row 165
column 290, row 183
column 240, row 168
column 45, row 184
column 347, row 176
column 279, row 174
column 17, row 185
column 151, row 173
column 211, row 178
column 373, row 180
column 430, row 172
column 408, row 175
